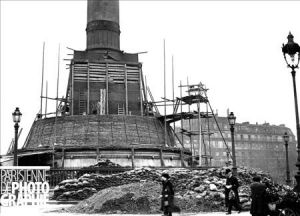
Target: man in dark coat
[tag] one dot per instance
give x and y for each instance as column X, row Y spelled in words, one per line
column 167, row 195
column 232, row 184
column 258, row 194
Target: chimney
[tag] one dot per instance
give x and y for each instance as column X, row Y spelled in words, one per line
column 103, row 30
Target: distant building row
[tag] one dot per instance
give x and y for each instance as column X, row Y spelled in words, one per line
column 257, row 145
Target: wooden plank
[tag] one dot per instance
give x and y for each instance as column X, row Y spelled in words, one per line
column 98, row 154
column 107, row 89
column 88, row 89
column 63, row 158
column 126, row 90
column 141, row 89
column 161, row 158
column 132, row 158
column 72, row 101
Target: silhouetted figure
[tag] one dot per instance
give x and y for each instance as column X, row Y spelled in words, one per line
column 258, row 196
column 231, row 192
column 167, row 193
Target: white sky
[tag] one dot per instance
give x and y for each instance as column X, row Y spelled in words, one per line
column 232, row 47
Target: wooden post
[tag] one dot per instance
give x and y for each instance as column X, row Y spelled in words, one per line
column 97, row 152
column 181, row 158
column 200, row 135
column 57, row 82
column 161, row 158
column 141, row 89
column 173, row 90
column 88, row 89
column 165, row 97
column 42, row 78
column 46, row 99
column 145, row 96
column 190, row 127
column 181, row 120
column 72, row 91
column 63, row 158
column 107, row 89
column 126, row 90
column 132, row 158
column 56, row 108
column 144, row 86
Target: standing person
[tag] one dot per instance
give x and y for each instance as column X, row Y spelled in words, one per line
column 167, row 195
column 231, row 192
column 258, row 195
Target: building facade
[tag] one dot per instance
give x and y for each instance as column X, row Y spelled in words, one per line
column 256, row 145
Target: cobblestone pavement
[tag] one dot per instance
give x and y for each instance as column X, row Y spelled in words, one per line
column 49, row 210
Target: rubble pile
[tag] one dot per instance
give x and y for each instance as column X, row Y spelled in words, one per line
column 102, row 163
column 105, row 163
column 195, row 190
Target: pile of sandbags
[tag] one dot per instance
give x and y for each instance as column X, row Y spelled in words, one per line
column 203, row 188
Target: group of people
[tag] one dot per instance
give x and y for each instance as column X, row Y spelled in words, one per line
column 258, row 193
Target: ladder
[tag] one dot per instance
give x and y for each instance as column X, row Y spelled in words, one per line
column 121, row 110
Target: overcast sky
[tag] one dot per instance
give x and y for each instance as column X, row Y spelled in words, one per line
column 232, row 47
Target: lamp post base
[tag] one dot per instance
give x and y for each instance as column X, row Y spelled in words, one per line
column 234, row 171
column 297, row 187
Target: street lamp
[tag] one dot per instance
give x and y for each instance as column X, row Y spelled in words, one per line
column 16, row 118
column 286, row 139
column 292, row 49
column 231, row 120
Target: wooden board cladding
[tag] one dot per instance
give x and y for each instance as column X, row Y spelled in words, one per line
column 96, row 72
column 98, row 131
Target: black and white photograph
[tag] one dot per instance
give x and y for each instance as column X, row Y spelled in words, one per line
column 149, row 107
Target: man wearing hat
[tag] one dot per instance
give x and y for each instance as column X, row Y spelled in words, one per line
column 258, row 197
column 231, row 192
column 167, row 195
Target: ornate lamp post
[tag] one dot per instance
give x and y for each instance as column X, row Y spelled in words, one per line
column 292, row 48
column 286, row 139
column 16, row 118
column 231, row 120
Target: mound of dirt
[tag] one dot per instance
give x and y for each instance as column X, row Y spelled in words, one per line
column 135, row 198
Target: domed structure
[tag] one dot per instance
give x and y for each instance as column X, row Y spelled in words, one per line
column 105, row 113
column 81, row 140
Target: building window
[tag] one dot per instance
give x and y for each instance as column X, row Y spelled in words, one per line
column 220, row 144
column 258, row 137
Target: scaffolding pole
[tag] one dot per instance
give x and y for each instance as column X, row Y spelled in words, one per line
column 56, row 108
column 43, row 61
column 46, row 99
column 165, row 107
column 199, row 137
